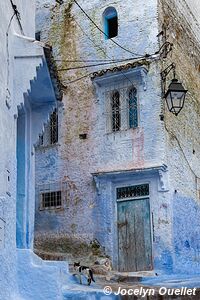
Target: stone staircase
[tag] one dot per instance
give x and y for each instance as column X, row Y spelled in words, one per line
column 41, row 280
column 71, row 289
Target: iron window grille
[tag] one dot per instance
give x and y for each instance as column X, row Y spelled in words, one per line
column 51, row 199
column 50, row 134
column 132, row 108
column 51, row 195
column 135, row 191
column 121, row 109
column 115, row 111
column 54, row 128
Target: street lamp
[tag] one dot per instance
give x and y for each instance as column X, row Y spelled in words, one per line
column 175, row 95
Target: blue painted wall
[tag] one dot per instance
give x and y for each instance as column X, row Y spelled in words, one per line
column 90, row 210
column 186, row 230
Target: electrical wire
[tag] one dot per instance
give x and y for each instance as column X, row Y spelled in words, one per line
column 75, row 80
column 87, row 60
column 103, row 51
column 94, row 60
column 17, row 14
column 123, row 48
column 89, row 66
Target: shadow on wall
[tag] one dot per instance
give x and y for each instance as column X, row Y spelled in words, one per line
column 186, row 229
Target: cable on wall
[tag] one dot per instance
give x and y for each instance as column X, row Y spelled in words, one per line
column 117, row 44
column 113, row 61
column 17, row 14
column 92, row 65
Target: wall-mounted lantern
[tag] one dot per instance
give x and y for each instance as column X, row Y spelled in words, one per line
column 175, row 95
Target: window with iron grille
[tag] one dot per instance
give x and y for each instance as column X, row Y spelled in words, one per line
column 54, row 128
column 132, row 107
column 115, row 109
column 50, row 134
column 51, row 199
column 121, row 109
column 134, row 191
column 50, row 195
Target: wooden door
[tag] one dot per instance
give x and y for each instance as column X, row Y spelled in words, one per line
column 134, row 235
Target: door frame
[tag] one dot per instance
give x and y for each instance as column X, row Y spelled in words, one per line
column 127, row 184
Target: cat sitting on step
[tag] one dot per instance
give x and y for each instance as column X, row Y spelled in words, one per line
column 83, row 271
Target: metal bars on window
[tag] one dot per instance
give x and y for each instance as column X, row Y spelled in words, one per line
column 54, row 128
column 115, row 111
column 121, row 109
column 51, row 199
column 51, row 194
column 50, row 134
column 132, row 108
column 134, row 191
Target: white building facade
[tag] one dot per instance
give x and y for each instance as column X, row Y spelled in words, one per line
column 27, row 99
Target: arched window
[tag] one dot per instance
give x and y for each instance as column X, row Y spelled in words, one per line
column 115, row 108
column 133, row 111
column 110, row 20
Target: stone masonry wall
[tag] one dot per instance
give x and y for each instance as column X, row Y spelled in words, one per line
column 73, row 37
column 182, row 132
column 153, row 143
column 85, row 214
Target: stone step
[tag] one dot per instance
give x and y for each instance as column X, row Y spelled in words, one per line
column 130, row 277
column 51, row 256
column 73, row 290
column 89, row 293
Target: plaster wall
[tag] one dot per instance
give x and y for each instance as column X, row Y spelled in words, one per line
column 194, row 7
column 20, row 58
column 153, row 143
column 8, row 278
column 86, row 214
column 183, row 134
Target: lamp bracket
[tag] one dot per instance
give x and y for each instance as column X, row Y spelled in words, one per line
column 164, row 74
column 167, row 70
column 165, row 49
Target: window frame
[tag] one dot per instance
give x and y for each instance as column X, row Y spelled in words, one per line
column 53, row 128
column 51, row 207
column 134, row 108
column 108, row 14
column 124, row 109
column 50, row 135
column 115, row 111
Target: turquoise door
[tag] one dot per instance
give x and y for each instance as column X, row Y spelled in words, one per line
column 134, row 235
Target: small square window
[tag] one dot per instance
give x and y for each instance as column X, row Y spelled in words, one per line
column 51, row 200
